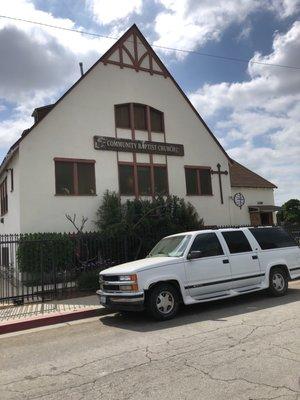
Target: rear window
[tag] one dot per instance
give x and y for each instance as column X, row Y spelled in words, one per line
column 272, row 238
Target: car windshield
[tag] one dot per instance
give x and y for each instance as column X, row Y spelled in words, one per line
column 170, row 247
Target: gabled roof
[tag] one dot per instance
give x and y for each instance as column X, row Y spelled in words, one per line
column 131, row 51
column 241, row 176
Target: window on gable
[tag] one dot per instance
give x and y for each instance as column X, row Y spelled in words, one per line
column 75, row 177
column 3, row 197
column 140, row 116
column 157, row 120
column 198, row 181
column 122, row 115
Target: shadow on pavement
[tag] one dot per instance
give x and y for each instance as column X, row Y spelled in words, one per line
column 218, row 310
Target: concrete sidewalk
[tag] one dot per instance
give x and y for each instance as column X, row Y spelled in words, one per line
column 32, row 315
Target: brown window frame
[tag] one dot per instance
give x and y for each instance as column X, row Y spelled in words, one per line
column 135, row 178
column 198, row 169
column 132, row 120
column 162, row 123
column 4, row 197
column 75, row 162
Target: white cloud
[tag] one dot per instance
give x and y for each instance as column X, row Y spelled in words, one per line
column 107, row 11
column 38, row 63
column 261, row 129
column 189, row 24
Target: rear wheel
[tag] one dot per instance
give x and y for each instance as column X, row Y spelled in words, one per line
column 163, row 302
column 278, row 284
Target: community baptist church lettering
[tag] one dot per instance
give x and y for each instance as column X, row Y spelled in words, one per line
column 137, row 146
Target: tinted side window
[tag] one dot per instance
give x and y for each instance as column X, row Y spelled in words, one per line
column 208, row 244
column 237, row 242
column 272, row 238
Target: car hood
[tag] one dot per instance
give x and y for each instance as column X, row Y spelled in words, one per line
column 140, row 265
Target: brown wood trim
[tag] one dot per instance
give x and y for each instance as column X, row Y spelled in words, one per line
column 133, row 67
column 11, row 179
column 129, row 55
column 197, row 167
column 78, row 160
column 121, row 56
column 135, row 52
column 142, row 58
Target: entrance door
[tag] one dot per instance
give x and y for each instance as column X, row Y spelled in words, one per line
column 244, row 261
column 255, row 218
column 209, row 273
column 266, row 218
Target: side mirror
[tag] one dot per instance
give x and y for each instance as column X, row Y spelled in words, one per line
column 194, row 254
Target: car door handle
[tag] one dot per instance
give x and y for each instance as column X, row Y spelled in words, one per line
column 225, row 261
column 255, row 257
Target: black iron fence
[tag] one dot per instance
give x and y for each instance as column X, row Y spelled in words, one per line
column 40, row 267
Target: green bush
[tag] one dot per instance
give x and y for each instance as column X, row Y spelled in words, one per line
column 147, row 221
column 89, row 280
column 45, row 252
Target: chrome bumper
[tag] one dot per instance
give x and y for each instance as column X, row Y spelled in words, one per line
column 122, row 301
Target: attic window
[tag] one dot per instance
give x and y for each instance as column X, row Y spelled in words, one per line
column 157, row 120
column 122, row 115
column 143, row 117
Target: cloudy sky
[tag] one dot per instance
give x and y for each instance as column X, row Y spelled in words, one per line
column 253, row 109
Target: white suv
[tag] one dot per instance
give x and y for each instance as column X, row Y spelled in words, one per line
column 200, row 266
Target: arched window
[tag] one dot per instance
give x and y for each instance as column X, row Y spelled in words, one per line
column 139, row 117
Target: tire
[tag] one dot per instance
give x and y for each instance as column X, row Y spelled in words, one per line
column 163, row 302
column 278, row 282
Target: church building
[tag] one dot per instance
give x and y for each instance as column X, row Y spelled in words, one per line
column 124, row 126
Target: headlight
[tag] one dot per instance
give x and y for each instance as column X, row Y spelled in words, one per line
column 132, row 286
column 126, row 277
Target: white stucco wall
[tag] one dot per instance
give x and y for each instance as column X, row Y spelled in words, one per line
column 253, row 197
column 88, row 110
column 11, row 220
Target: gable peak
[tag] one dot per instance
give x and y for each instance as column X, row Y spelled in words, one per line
column 133, row 51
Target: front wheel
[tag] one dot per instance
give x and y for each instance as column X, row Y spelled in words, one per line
column 278, row 284
column 163, row 302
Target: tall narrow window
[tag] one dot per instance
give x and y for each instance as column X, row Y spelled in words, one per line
column 205, row 181
column 198, row 181
column 75, row 177
column 3, row 197
column 160, row 180
column 140, row 120
column 126, row 179
column 122, row 115
column 144, row 180
column 191, row 181
column 157, row 120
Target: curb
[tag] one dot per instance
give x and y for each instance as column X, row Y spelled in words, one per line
column 48, row 319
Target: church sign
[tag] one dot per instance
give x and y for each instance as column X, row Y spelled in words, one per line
column 137, row 146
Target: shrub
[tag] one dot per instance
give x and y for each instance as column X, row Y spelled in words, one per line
column 146, row 220
column 89, row 280
column 52, row 251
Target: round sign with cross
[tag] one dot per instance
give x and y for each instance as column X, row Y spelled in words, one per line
column 239, row 199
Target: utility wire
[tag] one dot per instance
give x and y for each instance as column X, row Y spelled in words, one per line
column 234, row 59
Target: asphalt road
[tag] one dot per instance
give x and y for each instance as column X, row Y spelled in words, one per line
column 242, row 348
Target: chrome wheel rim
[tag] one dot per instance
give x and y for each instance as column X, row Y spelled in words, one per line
column 278, row 282
column 165, row 302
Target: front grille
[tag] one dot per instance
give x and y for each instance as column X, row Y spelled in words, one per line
column 111, row 288
column 110, row 278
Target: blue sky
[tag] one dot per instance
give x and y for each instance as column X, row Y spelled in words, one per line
column 253, row 109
